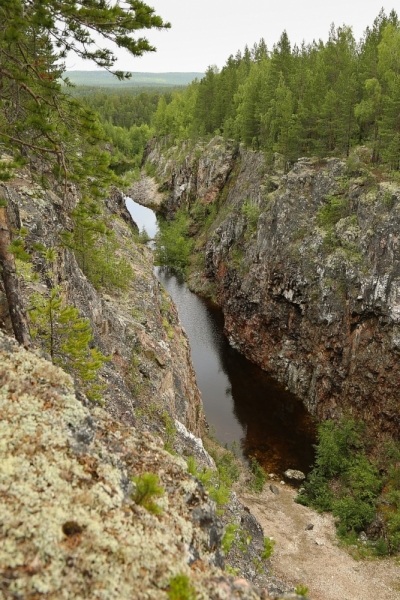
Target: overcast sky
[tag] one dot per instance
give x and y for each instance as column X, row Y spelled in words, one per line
column 206, row 32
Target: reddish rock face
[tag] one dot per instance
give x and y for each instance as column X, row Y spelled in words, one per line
column 306, row 268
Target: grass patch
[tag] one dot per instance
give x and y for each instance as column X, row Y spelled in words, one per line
column 336, row 208
column 218, row 482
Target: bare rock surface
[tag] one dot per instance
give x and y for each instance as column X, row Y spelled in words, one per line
column 294, row 474
column 145, row 192
column 69, row 527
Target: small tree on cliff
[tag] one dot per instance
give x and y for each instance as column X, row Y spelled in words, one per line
column 67, row 338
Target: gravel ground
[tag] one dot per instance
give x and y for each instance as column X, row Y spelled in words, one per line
column 313, row 558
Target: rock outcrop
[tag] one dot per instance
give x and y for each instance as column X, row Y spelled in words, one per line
column 305, row 265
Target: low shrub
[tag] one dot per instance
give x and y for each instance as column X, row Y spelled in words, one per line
column 229, row 537
column 146, row 490
column 180, row 588
column 348, row 482
column 258, row 480
column 336, row 208
column 268, row 548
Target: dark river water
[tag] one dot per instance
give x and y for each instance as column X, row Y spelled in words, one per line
column 243, row 405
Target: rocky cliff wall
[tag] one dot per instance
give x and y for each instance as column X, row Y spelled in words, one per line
column 305, row 265
column 150, row 373
column 70, row 526
column 71, row 523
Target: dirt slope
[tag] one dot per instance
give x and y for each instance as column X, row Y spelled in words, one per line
column 313, row 557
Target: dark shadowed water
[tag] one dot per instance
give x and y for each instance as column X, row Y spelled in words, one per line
column 241, row 402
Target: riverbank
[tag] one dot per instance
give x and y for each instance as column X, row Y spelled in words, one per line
column 313, row 557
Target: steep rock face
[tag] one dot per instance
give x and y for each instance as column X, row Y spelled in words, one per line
column 306, row 268
column 150, row 370
column 201, row 174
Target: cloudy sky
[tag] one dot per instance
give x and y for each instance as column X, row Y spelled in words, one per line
column 206, row 32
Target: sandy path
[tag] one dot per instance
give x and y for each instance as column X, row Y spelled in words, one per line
column 313, row 558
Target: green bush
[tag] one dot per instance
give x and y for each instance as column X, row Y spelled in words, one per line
column 228, row 469
column 146, row 490
column 381, row 547
column 336, row 445
column 150, row 169
column 259, row 479
column 353, row 512
column 229, row 537
column 173, row 246
column 218, row 482
column 317, row 493
column 180, row 588
column 301, row 590
column 219, row 493
column 336, row 208
column 268, row 548
column 348, row 483
column 251, row 212
column 392, row 518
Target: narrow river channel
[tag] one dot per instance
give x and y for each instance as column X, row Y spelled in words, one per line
column 243, row 405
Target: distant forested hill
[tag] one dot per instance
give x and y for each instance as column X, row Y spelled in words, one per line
column 105, row 79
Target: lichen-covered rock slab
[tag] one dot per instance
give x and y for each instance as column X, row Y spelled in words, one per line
column 68, row 525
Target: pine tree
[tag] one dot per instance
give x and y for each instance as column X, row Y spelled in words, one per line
column 369, row 112
column 36, row 117
column 67, row 337
column 249, row 101
column 204, row 116
column 389, row 71
column 95, row 248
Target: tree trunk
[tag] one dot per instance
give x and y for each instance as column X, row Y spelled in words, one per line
column 11, row 284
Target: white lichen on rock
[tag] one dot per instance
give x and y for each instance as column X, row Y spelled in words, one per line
column 68, row 525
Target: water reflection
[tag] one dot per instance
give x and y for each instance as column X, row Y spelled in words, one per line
column 241, row 402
